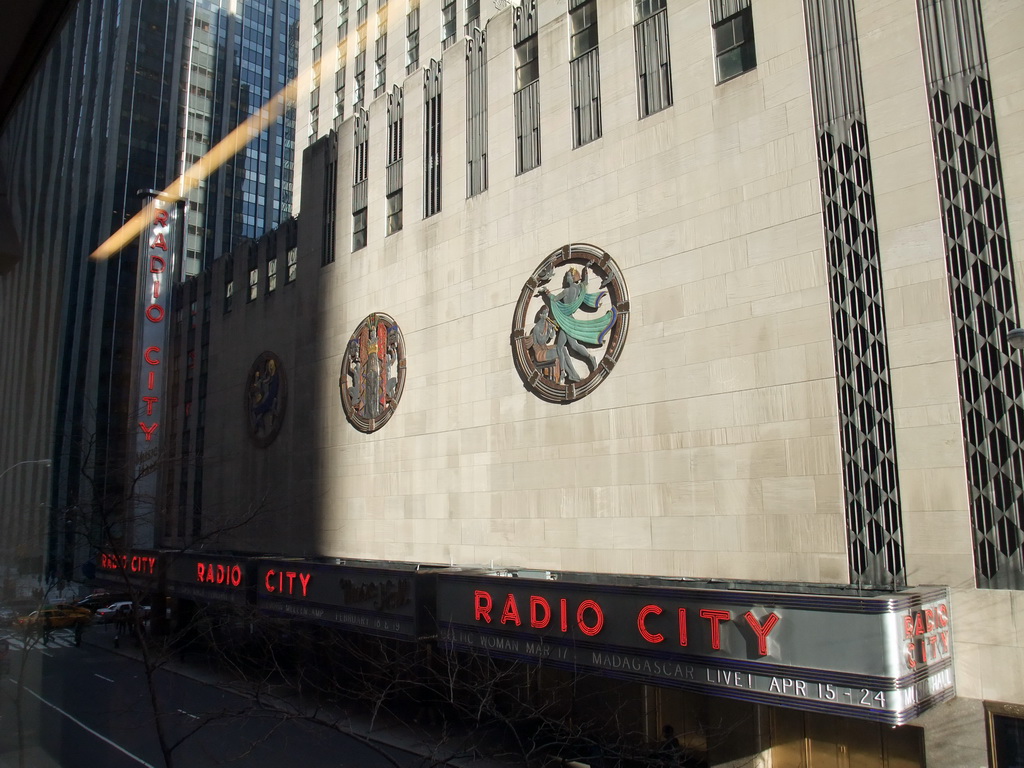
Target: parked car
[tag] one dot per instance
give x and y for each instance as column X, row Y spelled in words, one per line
column 99, row 600
column 56, row 617
column 106, row 614
column 7, row 616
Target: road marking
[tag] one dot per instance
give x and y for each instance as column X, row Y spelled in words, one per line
column 101, row 677
column 97, row 734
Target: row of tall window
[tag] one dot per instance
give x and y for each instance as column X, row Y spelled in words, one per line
column 734, row 54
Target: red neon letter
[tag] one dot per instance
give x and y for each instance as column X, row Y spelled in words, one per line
column 149, row 404
column 159, row 242
column 149, row 430
column 597, row 611
column 650, row 637
column 565, row 621
column 482, row 606
column 154, row 313
column 156, row 264
column 303, row 579
column 714, row 617
column 511, row 611
column 199, row 571
column 160, row 216
column 682, row 626
column 535, row 620
column 762, row 630
column 266, row 580
column 150, row 355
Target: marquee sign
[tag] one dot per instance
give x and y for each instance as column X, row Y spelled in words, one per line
column 139, row 568
column 878, row 656
column 221, row 578
column 383, row 599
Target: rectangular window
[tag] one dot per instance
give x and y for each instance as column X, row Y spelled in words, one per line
column 1006, row 735
column 472, row 15
column 272, row 275
column 293, row 264
column 229, row 288
column 339, row 94
column 380, row 65
column 734, row 45
column 412, row 41
column 254, row 283
column 359, row 229
column 342, row 20
column 527, row 64
column 448, row 23
column 360, row 12
column 432, row 139
column 653, row 68
column 584, row 72
column 360, row 79
column 394, row 212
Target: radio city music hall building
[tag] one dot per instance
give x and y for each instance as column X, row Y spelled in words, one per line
column 665, row 341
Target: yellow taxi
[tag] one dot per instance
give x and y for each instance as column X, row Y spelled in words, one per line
column 55, row 617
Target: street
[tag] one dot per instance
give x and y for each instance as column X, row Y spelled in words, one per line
column 88, row 706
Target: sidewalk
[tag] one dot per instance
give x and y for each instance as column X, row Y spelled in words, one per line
column 450, row 747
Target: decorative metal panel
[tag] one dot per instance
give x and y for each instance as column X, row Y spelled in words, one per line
column 982, row 286
column 373, row 372
column 476, row 112
column 524, row 21
column 585, row 76
column 867, row 432
column 396, row 139
column 432, row 139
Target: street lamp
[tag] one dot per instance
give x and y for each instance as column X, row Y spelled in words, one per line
column 47, row 462
column 1015, row 338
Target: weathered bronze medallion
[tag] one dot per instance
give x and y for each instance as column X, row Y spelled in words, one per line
column 373, row 372
column 265, row 399
column 570, row 323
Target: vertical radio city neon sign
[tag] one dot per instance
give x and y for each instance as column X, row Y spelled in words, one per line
column 158, row 247
column 154, row 271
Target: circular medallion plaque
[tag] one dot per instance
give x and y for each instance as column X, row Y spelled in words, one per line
column 373, row 372
column 570, row 323
column 265, row 398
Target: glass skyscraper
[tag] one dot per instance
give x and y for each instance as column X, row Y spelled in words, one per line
column 128, row 96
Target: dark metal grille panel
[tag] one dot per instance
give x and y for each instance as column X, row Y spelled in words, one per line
column 981, row 283
column 527, row 109
column 396, row 140
column 524, row 21
column 432, row 139
column 476, row 112
column 586, row 98
column 867, row 431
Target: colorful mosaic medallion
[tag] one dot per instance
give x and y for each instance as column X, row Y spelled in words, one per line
column 373, row 372
column 265, row 398
column 570, row 323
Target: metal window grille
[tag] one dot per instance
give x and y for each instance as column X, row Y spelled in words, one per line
column 395, row 151
column 526, row 101
column 863, row 381
column 476, row 113
column 584, row 72
column 982, row 283
column 432, row 139
column 361, row 172
column 330, row 201
column 653, row 65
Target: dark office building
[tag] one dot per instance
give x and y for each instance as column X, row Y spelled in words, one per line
column 125, row 97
